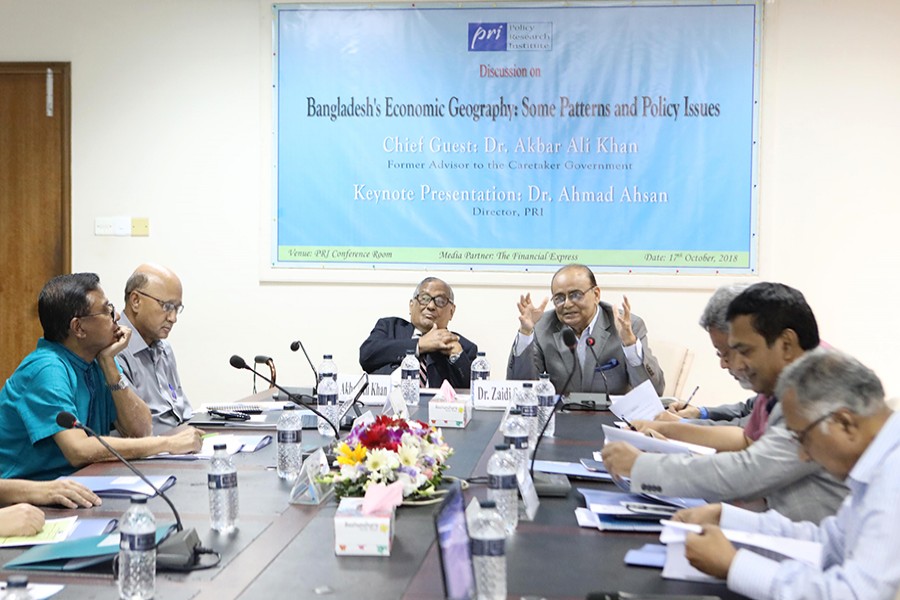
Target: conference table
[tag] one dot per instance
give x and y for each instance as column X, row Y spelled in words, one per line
column 283, row 550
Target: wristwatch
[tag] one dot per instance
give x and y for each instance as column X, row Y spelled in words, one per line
column 455, row 357
column 119, row 386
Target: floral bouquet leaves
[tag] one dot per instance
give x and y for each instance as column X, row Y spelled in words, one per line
column 389, row 450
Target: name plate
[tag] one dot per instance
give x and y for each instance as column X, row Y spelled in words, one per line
column 375, row 394
column 494, row 394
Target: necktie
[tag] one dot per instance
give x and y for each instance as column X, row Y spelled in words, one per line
column 423, row 373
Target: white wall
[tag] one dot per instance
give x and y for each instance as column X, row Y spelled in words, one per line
column 171, row 120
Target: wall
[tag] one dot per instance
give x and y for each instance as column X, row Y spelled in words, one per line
column 171, row 120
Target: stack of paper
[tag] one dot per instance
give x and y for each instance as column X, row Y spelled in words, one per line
column 650, row 444
column 642, row 403
column 117, row 486
column 233, row 444
column 616, row 511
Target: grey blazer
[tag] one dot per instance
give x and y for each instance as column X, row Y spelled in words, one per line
column 547, row 352
column 770, row 468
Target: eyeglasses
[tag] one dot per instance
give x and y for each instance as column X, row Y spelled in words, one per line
column 439, row 301
column 800, row 436
column 109, row 312
column 166, row 306
column 573, row 296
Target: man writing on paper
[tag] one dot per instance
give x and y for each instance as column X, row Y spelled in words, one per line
column 24, row 519
column 152, row 305
column 442, row 353
column 74, row 369
column 609, row 340
column 771, row 325
column 834, row 408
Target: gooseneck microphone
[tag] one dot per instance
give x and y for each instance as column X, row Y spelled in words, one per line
column 239, row 363
column 571, row 343
column 181, row 550
column 551, row 484
column 602, row 369
column 298, row 345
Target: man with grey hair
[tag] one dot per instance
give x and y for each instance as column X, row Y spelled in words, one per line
column 153, row 296
column 443, row 354
column 834, row 408
column 714, row 322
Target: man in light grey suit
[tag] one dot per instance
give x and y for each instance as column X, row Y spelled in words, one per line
column 771, row 325
column 612, row 354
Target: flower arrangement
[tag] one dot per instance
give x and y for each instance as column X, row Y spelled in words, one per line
column 390, row 450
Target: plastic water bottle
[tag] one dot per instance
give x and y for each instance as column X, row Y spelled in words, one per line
column 290, row 435
column 515, row 435
column 137, row 551
column 223, row 491
column 327, row 396
column 546, row 396
column 481, row 368
column 489, row 553
column 502, row 486
column 17, row 588
column 409, row 378
column 527, row 402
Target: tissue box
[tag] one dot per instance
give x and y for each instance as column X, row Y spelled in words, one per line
column 456, row 414
column 356, row 534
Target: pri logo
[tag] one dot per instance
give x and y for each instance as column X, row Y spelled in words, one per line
column 487, row 37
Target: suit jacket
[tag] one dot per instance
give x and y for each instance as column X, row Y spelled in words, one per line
column 386, row 348
column 547, row 352
column 770, row 468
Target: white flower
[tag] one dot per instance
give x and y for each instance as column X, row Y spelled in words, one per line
column 381, row 462
column 408, row 454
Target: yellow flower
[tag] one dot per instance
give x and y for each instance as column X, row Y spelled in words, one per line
column 350, row 456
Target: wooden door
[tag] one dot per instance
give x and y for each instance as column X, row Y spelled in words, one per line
column 34, row 197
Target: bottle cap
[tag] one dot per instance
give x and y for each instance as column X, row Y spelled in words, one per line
column 219, row 446
column 139, row 499
column 17, row 581
column 289, row 407
column 527, row 385
column 479, row 354
column 410, row 351
column 487, row 504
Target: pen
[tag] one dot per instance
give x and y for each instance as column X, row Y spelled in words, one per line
column 627, row 422
column 691, row 397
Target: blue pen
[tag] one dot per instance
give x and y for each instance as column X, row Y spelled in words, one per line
column 174, row 395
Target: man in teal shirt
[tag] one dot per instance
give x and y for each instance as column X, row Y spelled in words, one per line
column 73, row 369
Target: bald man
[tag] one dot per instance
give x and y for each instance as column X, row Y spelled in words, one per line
column 152, row 305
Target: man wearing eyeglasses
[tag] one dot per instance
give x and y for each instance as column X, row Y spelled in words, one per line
column 74, row 369
column 152, row 305
column 770, row 326
column 443, row 354
column 612, row 354
column 834, row 410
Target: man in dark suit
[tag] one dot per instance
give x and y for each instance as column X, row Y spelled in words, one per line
column 443, row 353
column 612, row 354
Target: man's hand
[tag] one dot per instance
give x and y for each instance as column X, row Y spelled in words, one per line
column 710, row 551
column 623, row 323
column 667, row 417
column 708, row 514
column 619, row 457
column 21, row 519
column 529, row 314
column 64, row 492
column 186, row 440
column 679, row 410
column 439, row 340
column 123, row 336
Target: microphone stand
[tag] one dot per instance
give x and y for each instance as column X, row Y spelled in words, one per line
column 238, row 363
column 554, row 484
column 298, row 345
column 179, row 551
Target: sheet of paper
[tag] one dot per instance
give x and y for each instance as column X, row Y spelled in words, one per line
column 641, row 403
column 648, row 555
column 567, row 468
column 39, row 591
column 651, row 444
column 55, row 530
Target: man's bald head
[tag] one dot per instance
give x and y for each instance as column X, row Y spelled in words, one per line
column 153, row 297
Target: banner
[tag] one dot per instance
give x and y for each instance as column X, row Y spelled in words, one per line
column 521, row 137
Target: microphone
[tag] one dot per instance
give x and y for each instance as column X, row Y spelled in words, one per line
column 298, row 345
column 571, row 342
column 549, row 484
column 181, row 550
column 239, row 363
column 610, row 364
